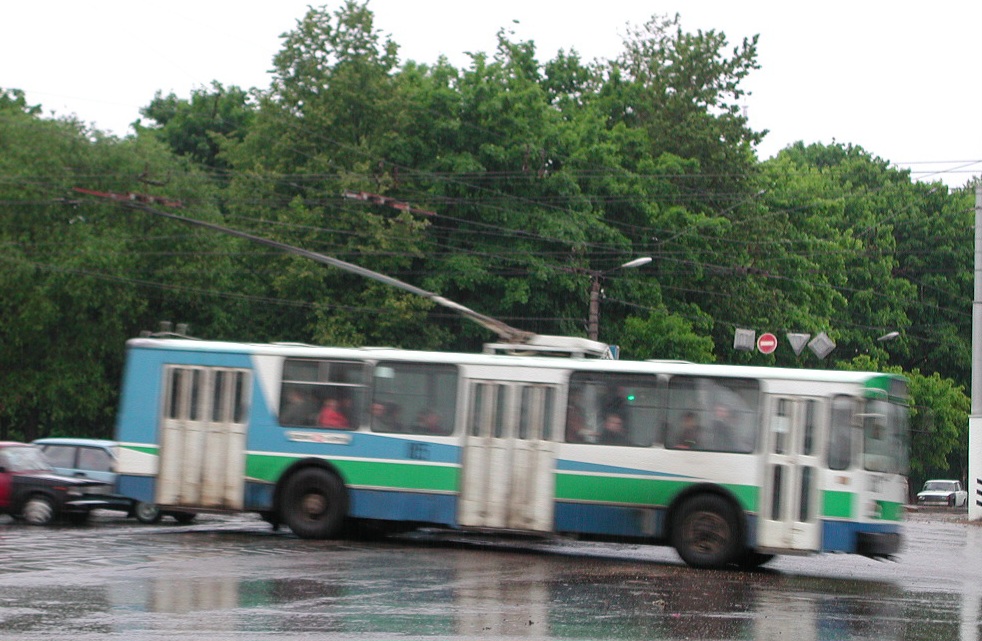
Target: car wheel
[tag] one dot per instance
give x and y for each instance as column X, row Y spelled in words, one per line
column 39, row 510
column 146, row 512
column 706, row 533
column 314, row 504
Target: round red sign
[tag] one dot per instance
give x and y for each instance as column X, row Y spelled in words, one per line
column 767, row 343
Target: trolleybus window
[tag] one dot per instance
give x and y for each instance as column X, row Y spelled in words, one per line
column 418, row 398
column 206, row 394
column 840, row 436
column 534, row 397
column 722, row 413
column 613, row 409
column 808, row 442
column 321, row 393
column 882, row 445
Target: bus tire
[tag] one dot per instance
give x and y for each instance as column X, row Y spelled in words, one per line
column 706, row 532
column 753, row 560
column 314, row 504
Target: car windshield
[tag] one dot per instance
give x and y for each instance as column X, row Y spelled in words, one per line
column 939, row 486
column 23, row 459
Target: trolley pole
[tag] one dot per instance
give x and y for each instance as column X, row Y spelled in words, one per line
column 974, row 480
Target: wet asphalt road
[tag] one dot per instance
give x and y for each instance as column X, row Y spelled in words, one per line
column 233, row 578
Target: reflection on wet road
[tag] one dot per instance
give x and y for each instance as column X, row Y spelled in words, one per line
column 232, row 578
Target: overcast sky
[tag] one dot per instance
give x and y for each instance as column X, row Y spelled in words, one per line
column 901, row 79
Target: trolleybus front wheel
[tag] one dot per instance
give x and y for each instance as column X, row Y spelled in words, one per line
column 314, row 504
column 706, row 533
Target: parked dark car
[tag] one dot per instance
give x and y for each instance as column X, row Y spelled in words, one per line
column 31, row 490
column 96, row 459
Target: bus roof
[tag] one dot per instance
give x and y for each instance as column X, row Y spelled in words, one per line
column 295, row 350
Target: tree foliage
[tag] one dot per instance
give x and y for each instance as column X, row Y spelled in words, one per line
column 197, row 127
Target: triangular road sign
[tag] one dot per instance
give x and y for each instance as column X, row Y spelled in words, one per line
column 798, row 342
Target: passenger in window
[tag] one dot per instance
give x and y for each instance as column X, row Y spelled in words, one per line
column 615, row 401
column 385, row 417
column 688, row 434
column 613, row 432
column 428, row 422
column 393, row 417
column 723, row 430
column 331, row 416
column 576, row 428
column 299, row 409
column 377, row 411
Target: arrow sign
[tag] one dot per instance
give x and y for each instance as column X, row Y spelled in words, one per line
column 767, row 343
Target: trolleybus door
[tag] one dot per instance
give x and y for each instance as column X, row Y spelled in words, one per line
column 788, row 515
column 508, row 461
column 202, row 438
column 530, row 505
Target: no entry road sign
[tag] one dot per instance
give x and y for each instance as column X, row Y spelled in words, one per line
column 767, row 343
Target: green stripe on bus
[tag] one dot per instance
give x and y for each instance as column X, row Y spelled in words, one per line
column 143, row 449
column 637, row 491
column 837, row 504
column 386, row 474
column 891, row 510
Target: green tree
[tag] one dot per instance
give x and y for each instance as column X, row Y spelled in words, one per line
column 320, row 133
column 666, row 336
column 684, row 89
column 935, row 252
column 197, row 127
column 81, row 274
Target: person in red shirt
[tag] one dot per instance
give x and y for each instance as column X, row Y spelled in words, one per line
column 331, row 416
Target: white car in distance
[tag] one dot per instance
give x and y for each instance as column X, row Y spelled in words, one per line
column 943, row 492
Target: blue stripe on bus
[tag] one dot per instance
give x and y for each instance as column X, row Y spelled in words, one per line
column 395, row 447
column 566, row 465
column 843, row 536
column 140, row 488
column 403, row 506
column 608, row 520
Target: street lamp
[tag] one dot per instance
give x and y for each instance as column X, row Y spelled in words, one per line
column 593, row 327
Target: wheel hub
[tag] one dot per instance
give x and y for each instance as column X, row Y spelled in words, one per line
column 706, row 532
column 313, row 505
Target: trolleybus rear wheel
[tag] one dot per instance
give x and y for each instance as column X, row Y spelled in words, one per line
column 706, row 533
column 314, row 504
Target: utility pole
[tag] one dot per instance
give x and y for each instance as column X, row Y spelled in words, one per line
column 593, row 324
column 974, row 481
column 596, row 276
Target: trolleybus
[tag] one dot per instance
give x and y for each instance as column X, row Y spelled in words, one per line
column 730, row 465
